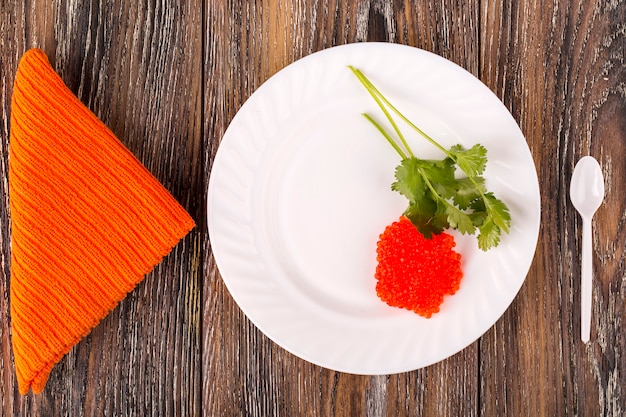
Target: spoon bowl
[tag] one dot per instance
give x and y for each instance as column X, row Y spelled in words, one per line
column 586, row 194
column 587, row 186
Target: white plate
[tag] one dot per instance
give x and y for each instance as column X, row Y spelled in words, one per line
column 300, row 191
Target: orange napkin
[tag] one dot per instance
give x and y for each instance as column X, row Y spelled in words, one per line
column 88, row 220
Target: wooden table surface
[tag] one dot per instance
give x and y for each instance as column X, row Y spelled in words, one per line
column 168, row 77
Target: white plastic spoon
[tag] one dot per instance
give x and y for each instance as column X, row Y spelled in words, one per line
column 586, row 192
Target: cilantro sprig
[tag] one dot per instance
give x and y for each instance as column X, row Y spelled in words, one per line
column 438, row 197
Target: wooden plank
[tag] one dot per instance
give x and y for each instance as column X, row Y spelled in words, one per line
column 246, row 373
column 560, row 68
column 137, row 65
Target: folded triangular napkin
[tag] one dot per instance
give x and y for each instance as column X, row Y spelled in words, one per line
column 88, row 220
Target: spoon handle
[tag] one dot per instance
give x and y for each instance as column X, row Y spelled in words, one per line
column 585, row 282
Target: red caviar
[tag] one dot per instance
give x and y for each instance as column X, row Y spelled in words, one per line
column 414, row 272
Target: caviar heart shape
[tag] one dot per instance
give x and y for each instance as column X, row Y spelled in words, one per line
column 413, row 272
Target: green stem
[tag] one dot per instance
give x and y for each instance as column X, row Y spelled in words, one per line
column 488, row 206
column 386, row 135
column 380, row 97
column 377, row 98
column 430, row 186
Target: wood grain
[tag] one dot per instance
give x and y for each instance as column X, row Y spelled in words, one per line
column 134, row 64
column 167, row 78
column 287, row 385
column 564, row 85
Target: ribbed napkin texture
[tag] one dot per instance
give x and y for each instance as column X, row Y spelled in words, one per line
column 88, row 220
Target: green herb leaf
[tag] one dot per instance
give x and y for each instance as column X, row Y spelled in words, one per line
column 460, row 220
column 409, row 182
column 489, row 235
column 427, row 217
column 467, row 191
column 471, row 161
column 498, row 212
column 440, row 174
